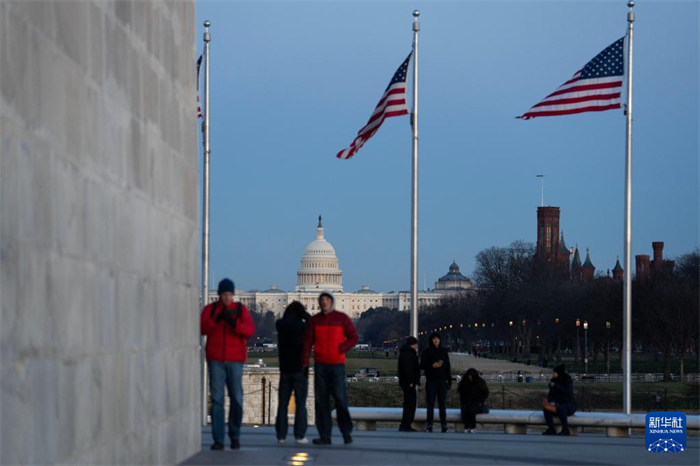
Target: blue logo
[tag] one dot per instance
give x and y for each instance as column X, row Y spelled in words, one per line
column 665, row 432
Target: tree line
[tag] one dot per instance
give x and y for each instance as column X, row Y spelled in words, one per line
column 525, row 311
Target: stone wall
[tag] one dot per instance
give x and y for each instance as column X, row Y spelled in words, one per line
column 98, row 232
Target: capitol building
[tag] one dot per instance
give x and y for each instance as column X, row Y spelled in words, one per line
column 320, row 271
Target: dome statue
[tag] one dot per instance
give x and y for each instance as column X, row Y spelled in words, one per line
column 319, row 266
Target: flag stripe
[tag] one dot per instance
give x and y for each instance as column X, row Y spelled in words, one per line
column 595, row 87
column 573, row 100
column 391, row 104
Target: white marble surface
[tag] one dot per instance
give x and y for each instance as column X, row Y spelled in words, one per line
column 99, row 232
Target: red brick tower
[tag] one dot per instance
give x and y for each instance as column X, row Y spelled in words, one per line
column 618, row 271
column 587, row 269
column 547, row 235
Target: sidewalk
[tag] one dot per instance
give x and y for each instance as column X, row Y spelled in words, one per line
column 388, row 447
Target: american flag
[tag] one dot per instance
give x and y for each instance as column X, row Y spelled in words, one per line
column 392, row 103
column 594, row 88
column 199, row 108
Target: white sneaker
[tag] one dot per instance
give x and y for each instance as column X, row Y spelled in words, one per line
column 281, row 441
column 473, row 431
column 302, row 441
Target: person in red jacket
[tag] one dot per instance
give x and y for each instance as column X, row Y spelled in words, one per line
column 331, row 334
column 227, row 325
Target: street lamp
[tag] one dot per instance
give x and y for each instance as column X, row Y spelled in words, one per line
column 608, row 324
column 512, row 339
column 556, row 322
column 578, row 345
column 585, row 346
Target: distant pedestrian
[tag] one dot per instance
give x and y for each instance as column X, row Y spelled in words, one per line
column 293, row 376
column 473, row 393
column 386, row 354
column 372, row 354
column 332, row 334
column 409, row 380
column 435, row 361
column 559, row 401
column 227, row 325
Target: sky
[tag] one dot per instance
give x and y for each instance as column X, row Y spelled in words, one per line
column 293, row 82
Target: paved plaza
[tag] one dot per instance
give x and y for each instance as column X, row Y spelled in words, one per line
column 389, row 447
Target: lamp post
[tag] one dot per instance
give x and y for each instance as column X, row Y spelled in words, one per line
column 607, row 347
column 556, row 322
column 577, row 348
column 585, row 346
column 512, row 339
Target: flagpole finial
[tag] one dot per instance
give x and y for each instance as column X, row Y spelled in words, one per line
column 207, row 24
column 416, row 14
column 630, row 14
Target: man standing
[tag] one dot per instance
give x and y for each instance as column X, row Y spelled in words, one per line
column 435, row 361
column 409, row 379
column 293, row 378
column 227, row 325
column 332, row 334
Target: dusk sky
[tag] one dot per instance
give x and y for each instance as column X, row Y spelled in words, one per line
column 293, row 82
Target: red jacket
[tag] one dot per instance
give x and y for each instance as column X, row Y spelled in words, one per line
column 226, row 344
column 332, row 335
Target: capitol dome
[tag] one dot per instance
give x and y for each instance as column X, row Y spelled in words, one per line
column 319, row 266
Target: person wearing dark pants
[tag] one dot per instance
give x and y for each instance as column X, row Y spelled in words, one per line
column 561, row 397
column 331, row 334
column 472, row 396
column 409, row 380
column 435, row 361
column 227, row 326
column 293, row 378
column 329, row 381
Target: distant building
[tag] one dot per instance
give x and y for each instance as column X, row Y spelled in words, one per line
column 645, row 267
column 453, row 281
column 320, row 271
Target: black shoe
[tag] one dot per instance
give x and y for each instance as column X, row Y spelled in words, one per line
column 235, row 444
column 407, row 429
column 549, row 431
column 445, row 429
column 564, row 432
column 217, row 446
column 321, row 441
column 429, row 429
column 347, row 438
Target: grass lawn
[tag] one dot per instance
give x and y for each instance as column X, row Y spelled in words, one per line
column 589, row 396
column 642, row 363
column 353, row 362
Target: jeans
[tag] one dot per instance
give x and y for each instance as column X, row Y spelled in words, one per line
column 439, row 388
column 230, row 375
column 299, row 384
column 563, row 411
column 409, row 406
column 329, row 380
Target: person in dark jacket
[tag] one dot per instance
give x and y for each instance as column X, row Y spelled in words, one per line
column 293, row 378
column 472, row 395
column 409, row 380
column 561, row 394
column 435, row 361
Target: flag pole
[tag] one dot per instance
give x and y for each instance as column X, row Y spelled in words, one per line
column 627, row 282
column 205, row 222
column 414, row 183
